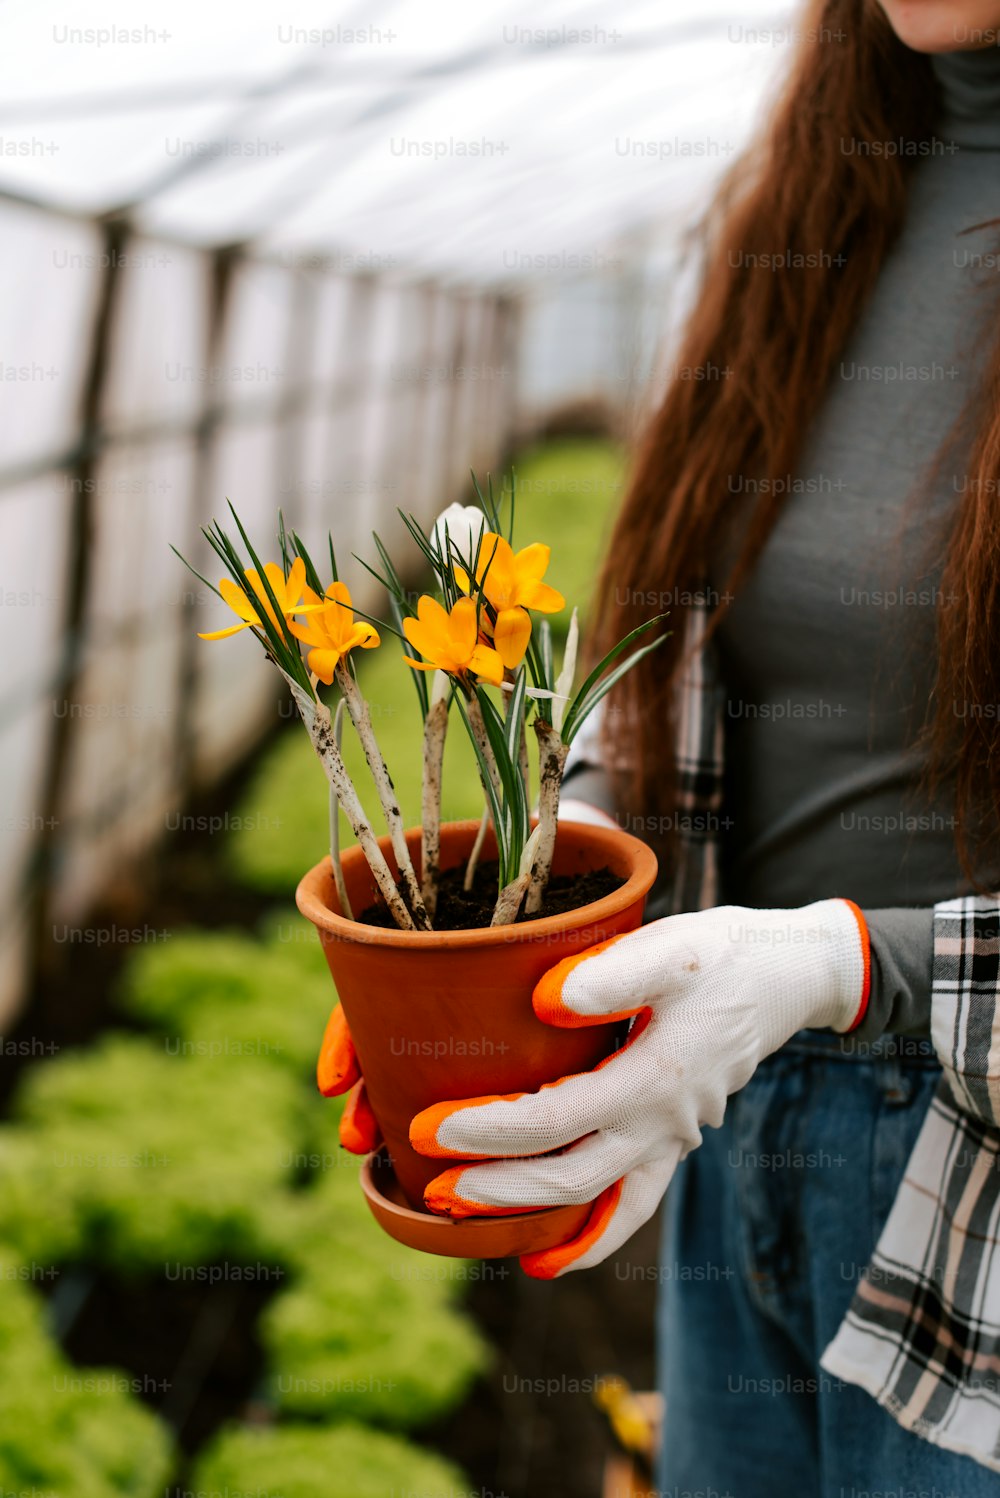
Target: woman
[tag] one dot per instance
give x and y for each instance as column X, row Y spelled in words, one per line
column 828, row 496
column 834, row 498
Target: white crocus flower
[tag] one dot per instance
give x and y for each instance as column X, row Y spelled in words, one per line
column 465, row 524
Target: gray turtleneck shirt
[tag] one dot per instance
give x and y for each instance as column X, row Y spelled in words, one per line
column 828, row 652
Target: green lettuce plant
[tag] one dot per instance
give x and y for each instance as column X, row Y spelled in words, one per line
column 347, row 1461
column 68, row 1432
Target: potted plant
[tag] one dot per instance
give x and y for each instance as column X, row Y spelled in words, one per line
column 436, row 936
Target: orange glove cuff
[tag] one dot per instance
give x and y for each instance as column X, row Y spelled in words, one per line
column 866, row 950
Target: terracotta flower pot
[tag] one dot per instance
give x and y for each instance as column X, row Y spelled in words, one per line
column 442, row 1015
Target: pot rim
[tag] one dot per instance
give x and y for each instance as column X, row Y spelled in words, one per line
column 637, row 885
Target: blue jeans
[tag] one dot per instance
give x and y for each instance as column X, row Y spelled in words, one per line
column 767, row 1227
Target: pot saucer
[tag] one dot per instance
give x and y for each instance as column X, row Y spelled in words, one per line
column 467, row 1237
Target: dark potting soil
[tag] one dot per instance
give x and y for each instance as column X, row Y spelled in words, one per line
column 464, row 910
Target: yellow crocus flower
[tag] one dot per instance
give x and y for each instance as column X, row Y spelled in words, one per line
column 512, row 583
column 450, row 642
column 288, row 592
column 332, row 630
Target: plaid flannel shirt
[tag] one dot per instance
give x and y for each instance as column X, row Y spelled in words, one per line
column 922, row 1334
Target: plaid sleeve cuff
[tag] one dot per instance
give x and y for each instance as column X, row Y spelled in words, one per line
column 965, row 1012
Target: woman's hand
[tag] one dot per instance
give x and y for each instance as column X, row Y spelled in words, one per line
column 712, row 994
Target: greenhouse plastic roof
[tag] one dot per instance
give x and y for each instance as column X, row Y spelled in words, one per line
column 483, row 141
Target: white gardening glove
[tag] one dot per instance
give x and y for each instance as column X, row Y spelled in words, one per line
column 712, row 995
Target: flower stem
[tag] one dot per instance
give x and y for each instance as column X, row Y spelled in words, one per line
column 361, row 718
column 483, row 742
column 316, row 717
column 481, row 737
column 477, row 848
column 552, row 752
column 508, row 904
column 338, row 868
column 509, row 901
column 435, row 729
column 522, row 751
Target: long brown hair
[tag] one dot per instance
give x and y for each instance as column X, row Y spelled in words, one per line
column 755, row 362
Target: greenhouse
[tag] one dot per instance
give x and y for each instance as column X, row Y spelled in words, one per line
column 306, row 289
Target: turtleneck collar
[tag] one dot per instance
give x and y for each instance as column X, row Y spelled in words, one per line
column 970, row 97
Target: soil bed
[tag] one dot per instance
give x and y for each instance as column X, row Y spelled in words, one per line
column 465, row 910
